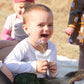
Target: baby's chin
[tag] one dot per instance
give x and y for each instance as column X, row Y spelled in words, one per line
column 44, row 41
column 21, row 17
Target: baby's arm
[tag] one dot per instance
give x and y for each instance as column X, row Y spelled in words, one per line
column 52, row 67
column 20, row 62
column 74, row 16
column 42, row 66
column 5, row 34
column 69, row 30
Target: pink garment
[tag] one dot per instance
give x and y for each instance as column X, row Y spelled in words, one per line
column 16, row 1
column 5, row 34
column 13, row 28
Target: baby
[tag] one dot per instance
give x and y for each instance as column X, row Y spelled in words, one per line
column 29, row 57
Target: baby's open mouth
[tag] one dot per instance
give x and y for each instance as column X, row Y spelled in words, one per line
column 44, row 35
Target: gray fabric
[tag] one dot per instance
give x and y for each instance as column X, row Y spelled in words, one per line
column 81, row 57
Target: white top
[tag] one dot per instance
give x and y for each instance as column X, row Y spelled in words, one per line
column 14, row 24
column 24, row 55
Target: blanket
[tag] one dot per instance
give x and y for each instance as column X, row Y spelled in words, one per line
column 66, row 65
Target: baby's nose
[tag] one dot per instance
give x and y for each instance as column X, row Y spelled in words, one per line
column 23, row 10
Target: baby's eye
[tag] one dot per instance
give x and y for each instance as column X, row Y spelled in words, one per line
column 21, row 7
column 26, row 7
column 41, row 25
column 50, row 25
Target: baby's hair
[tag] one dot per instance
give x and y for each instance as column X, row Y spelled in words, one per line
column 34, row 7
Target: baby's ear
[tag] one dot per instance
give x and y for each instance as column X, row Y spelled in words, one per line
column 25, row 28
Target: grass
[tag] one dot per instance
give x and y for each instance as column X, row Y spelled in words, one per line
column 60, row 9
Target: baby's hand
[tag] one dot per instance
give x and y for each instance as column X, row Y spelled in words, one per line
column 42, row 66
column 69, row 30
column 52, row 67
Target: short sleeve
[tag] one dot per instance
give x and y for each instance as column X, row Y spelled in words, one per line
column 8, row 23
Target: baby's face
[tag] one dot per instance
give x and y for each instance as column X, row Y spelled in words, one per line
column 20, row 8
column 40, row 26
